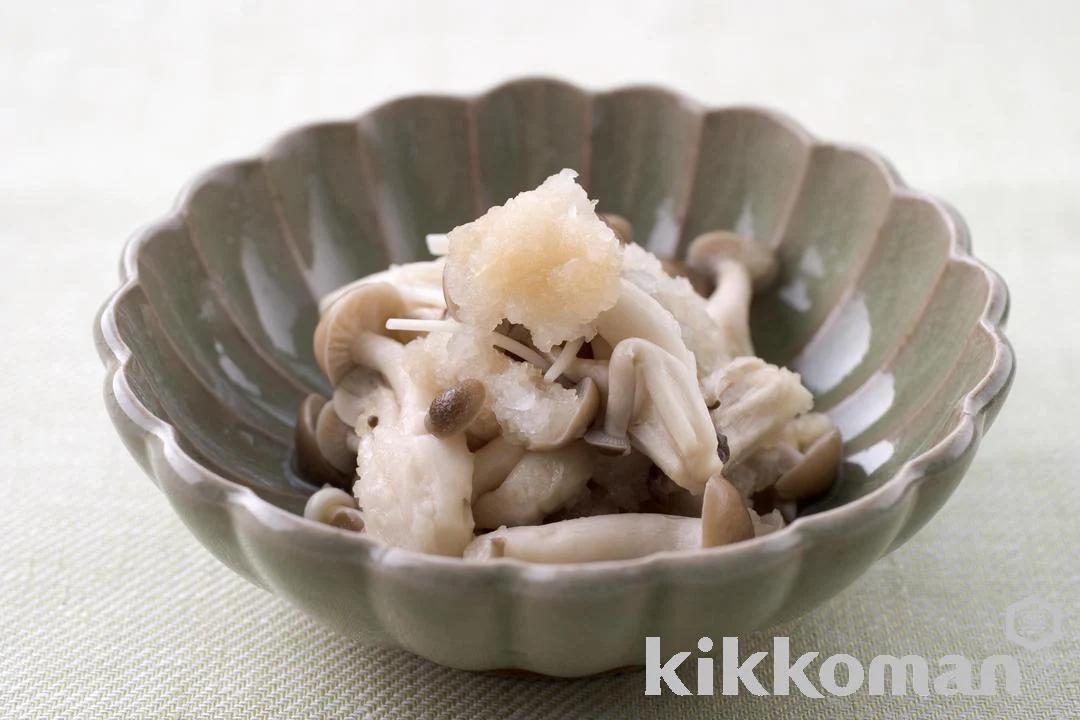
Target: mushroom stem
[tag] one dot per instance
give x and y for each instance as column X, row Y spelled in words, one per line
column 385, row 355
column 564, row 360
column 729, row 306
column 724, row 520
column 639, row 315
column 589, row 539
column 655, row 399
column 493, row 462
column 539, row 484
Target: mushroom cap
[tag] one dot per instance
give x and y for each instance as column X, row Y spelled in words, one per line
column 699, row 279
column 815, row 473
column 366, row 308
column 453, row 409
column 708, row 249
column 311, row 463
column 355, row 396
column 724, row 518
column 586, row 407
column 607, row 444
column 336, row 507
column 620, row 226
column 332, row 437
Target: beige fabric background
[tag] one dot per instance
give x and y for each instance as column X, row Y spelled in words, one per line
column 108, row 608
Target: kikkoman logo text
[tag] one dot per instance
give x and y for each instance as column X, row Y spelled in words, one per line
column 836, row 674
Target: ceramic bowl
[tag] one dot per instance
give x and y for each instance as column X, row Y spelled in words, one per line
column 880, row 305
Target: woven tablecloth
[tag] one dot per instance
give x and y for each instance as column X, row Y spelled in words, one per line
column 109, row 607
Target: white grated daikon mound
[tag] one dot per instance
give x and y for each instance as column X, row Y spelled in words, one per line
column 544, row 260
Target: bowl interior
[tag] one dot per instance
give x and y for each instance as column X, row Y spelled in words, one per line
column 873, row 306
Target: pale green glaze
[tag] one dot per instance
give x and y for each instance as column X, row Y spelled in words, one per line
column 879, row 304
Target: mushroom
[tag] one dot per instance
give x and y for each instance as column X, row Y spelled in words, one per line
column 620, row 226
column 352, row 333
column 415, row 488
column 762, row 468
column 753, row 402
column 332, row 437
column 539, row 484
column 418, row 283
column 607, row 444
column 362, row 400
column 699, row 280
column 311, row 463
column 493, row 462
column 739, row 267
column 654, row 398
column 697, row 329
column 333, row 506
column 455, row 408
column 815, row 472
column 551, row 436
column 638, row 315
column 724, row 520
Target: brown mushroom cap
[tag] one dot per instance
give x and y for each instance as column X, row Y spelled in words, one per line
column 724, row 518
column 706, row 251
column 315, row 468
column 700, row 280
column 455, row 408
column 365, row 309
column 620, row 225
column 816, row 472
column 332, row 438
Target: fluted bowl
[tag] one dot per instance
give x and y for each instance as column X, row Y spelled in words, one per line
column 881, row 307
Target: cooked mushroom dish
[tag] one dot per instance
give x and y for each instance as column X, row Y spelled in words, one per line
column 547, row 390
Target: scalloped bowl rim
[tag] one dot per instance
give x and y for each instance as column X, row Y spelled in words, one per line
column 949, row 449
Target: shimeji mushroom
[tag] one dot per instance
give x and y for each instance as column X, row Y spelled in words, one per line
column 724, row 520
column 638, row 315
column 493, row 462
column 740, row 267
column 455, row 408
column 815, row 472
column 310, row 461
column 539, row 484
column 699, row 332
column 336, row 507
column 753, row 401
column 654, row 398
column 419, row 283
column 332, row 437
column 415, row 488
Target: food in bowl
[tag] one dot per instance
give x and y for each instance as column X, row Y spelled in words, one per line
column 547, row 390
